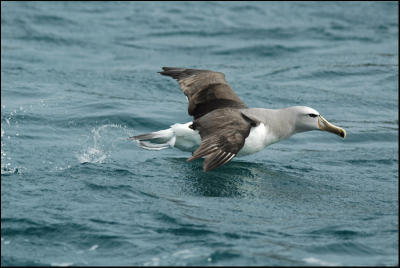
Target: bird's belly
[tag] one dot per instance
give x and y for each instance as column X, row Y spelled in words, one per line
column 187, row 139
column 187, row 143
column 258, row 139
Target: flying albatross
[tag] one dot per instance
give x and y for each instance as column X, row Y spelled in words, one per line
column 223, row 126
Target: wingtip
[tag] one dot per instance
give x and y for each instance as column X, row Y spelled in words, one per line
column 190, row 159
column 163, row 70
column 169, row 68
column 166, row 70
column 207, row 168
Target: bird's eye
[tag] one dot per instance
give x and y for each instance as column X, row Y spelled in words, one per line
column 312, row 115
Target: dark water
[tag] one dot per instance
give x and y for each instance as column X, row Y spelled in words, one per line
column 78, row 78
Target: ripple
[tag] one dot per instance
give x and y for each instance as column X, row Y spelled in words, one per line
column 21, row 261
column 41, row 230
column 338, row 232
column 185, row 231
column 261, row 51
column 181, row 228
column 347, row 248
column 95, row 169
column 220, row 255
column 52, row 19
column 372, row 162
column 52, row 39
column 99, row 187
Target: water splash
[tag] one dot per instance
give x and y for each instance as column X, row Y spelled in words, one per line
column 6, row 166
column 94, row 153
column 103, row 140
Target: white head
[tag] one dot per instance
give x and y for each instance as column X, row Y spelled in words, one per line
column 307, row 119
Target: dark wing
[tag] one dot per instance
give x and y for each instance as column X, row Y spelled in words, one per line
column 206, row 90
column 223, row 133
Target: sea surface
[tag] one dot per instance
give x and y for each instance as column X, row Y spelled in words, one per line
column 79, row 78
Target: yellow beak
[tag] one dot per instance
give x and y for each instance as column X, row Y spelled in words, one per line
column 323, row 124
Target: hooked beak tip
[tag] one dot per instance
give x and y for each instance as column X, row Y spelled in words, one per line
column 323, row 124
column 343, row 133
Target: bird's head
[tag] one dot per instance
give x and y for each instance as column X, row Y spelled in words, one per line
column 307, row 119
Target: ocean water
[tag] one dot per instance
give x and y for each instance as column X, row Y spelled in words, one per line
column 79, row 78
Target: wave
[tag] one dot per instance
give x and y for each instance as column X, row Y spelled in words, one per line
column 372, row 135
column 62, row 231
column 7, row 261
column 52, row 39
column 21, row 226
column 97, row 121
column 261, row 50
column 241, row 33
column 52, row 19
column 348, row 247
column 339, row 232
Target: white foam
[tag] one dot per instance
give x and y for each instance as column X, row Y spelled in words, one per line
column 154, row 262
column 184, row 254
column 62, row 264
column 93, row 247
column 316, row 261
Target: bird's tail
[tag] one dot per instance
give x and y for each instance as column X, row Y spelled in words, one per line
column 156, row 140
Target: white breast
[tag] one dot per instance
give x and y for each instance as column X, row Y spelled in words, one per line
column 259, row 137
column 187, row 139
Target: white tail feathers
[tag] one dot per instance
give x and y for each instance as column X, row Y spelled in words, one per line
column 156, row 140
column 180, row 136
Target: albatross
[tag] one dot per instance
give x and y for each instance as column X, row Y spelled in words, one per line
column 223, row 126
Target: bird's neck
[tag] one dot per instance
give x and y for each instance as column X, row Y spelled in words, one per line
column 279, row 123
column 282, row 123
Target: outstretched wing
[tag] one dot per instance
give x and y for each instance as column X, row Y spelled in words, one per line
column 223, row 133
column 206, row 90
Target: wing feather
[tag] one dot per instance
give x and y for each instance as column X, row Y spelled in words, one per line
column 217, row 159
column 223, row 134
column 206, row 90
column 217, row 113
